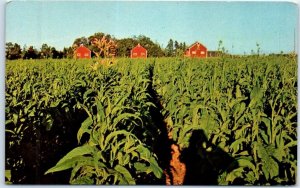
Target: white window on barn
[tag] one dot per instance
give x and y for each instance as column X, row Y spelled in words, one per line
column 202, row 52
column 134, row 53
column 193, row 52
column 78, row 54
column 86, row 54
column 142, row 53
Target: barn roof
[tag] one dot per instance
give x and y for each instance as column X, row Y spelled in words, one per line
column 139, row 46
column 83, row 47
column 195, row 44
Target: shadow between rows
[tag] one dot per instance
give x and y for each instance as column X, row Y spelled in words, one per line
column 204, row 161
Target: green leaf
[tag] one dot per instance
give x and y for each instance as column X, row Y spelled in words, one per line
column 291, row 144
column 250, row 177
column 270, row 167
column 155, row 167
column 184, row 134
column 8, row 174
column 244, row 153
column 100, row 111
column 84, row 128
column 84, row 180
column 114, row 134
column 140, row 167
column 69, row 163
column 256, row 96
column 15, row 118
column 195, row 114
column 126, row 174
column 264, row 136
column 79, row 151
column 175, row 131
column 246, row 162
column 8, row 121
column 234, row 174
column 238, row 92
column 144, row 152
column 85, row 95
column 235, row 146
column 74, row 171
column 69, row 160
column 55, row 104
column 125, row 116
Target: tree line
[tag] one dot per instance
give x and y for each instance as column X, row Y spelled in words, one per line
column 124, row 46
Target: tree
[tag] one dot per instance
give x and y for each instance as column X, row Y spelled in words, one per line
column 257, row 49
column 179, row 49
column 176, row 45
column 125, row 45
column 24, row 50
column 99, row 36
column 184, row 46
column 170, row 48
column 153, row 49
column 56, row 54
column 81, row 40
column 68, row 52
column 31, row 53
column 45, row 52
column 13, row 51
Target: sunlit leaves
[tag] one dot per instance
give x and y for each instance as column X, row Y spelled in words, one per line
column 246, row 107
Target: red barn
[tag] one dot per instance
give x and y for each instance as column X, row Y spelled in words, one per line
column 196, row 50
column 83, row 52
column 138, row 52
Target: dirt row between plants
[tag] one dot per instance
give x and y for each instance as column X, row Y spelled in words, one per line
column 177, row 169
column 168, row 152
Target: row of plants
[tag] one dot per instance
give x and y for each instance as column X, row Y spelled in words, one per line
column 234, row 120
column 40, row 118
column 245, row 110
column 108, row 110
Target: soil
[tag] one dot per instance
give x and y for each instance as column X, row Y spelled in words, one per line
column 169, row 153
column 177, row 169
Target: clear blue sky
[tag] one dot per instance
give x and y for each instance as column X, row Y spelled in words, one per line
column 240, row 25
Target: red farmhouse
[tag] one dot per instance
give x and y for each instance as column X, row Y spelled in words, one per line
column 196, row 50
column 138, row 52
column 83, row 52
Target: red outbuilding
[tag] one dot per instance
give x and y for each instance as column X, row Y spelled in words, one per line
column 83, row 52
column 138, row 52
column 196, row 50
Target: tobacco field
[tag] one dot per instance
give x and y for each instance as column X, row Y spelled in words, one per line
column 154, row 121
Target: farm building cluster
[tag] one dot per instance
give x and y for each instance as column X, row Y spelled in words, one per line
column 196, row 50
